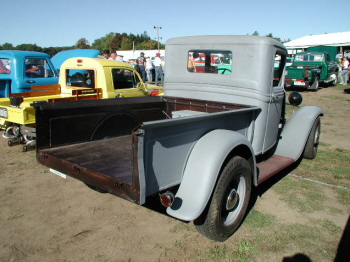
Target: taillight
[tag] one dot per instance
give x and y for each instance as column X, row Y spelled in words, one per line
column 155, row 92
column 167, row 199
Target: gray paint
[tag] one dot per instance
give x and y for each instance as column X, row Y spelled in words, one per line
column 202, row 170
column 296, row 131
column 166, row 145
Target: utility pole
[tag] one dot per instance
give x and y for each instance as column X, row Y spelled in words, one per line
column 158, row 27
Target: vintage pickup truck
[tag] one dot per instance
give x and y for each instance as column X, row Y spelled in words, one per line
column 313, row 68
column 20, row 70
column 202, row 148
column 81, row 78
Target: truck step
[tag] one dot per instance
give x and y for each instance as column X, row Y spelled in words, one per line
column 272, row 166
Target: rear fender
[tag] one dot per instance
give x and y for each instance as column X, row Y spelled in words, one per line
column 202, row 169
column 296, row 131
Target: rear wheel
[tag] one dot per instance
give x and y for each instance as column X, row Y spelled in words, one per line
column 311, row 146
column 229, row 202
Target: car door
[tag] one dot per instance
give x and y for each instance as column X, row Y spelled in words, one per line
column 276, row 99
column 38, row 71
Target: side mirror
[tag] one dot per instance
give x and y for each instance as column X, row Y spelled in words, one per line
column 295, row 98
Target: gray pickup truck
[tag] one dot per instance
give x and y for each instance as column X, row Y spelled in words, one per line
column 202, row 148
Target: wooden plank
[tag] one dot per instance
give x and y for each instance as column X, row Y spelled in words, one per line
column 37, row 93
column 46, row 87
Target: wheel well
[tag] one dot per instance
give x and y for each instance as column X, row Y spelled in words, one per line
column 242, row 151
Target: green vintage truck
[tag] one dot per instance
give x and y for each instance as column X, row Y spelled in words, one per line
column 314, row 68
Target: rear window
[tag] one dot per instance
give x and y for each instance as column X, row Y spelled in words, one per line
column 209, row 61
column 80, row 78
column 309, row 58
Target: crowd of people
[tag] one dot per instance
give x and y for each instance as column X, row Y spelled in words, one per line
column 144, row 65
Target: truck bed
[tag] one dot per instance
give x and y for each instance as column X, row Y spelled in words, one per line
column 96, row 141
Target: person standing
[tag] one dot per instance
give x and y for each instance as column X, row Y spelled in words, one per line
column 345, row 71
column 114, row 56
column 158, row 68
column 191, row 65
column 141, row 62
column 106, row 54
column 149, row 68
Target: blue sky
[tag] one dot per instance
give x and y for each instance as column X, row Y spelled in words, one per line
column 62, row 23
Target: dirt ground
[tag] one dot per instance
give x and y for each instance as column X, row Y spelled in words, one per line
column 44, row 217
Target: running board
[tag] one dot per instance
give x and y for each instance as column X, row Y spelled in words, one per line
column 272, row 166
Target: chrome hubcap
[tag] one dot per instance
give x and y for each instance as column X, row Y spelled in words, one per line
column 232, row 200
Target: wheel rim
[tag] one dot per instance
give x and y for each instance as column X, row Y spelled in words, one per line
column 316, row 138
column 233, row 201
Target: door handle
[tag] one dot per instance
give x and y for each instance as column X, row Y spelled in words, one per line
column 30, row 81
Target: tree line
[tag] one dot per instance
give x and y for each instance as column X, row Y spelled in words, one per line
column 111, row 41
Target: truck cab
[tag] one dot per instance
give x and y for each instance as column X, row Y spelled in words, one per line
column 20, row 70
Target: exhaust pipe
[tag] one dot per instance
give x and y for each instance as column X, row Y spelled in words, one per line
column 11, row 132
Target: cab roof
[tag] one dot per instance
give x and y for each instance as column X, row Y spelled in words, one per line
column 87, row 61
column 21, row 54
column 224, row 40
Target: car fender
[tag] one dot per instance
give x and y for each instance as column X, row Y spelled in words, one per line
column 296, row 132
column 201, row 172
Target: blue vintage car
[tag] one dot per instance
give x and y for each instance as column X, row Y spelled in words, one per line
column 20, row 70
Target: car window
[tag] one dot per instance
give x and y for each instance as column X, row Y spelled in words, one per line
column 80, row 78
column 5, row 66
column 124, row 78
column 280, row 61
column 209, row 61
column 308, row 58
column 38, row 68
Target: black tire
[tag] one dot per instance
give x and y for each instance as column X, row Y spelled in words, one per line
column 229, row 202
column 311, row 146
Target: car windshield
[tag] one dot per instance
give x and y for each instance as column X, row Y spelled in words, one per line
column 308, row 58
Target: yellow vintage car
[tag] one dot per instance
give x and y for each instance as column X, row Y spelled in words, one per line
column 80, row 78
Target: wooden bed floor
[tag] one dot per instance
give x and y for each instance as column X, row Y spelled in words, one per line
column 111, row 157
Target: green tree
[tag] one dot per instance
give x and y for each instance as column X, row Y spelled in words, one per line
column 127, row 44
column 276, row 38
column 7, row 46
column 103, row 43
column 83, row 43
column 29, row 47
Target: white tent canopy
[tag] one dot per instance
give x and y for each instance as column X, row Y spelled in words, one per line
column 333, row 39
